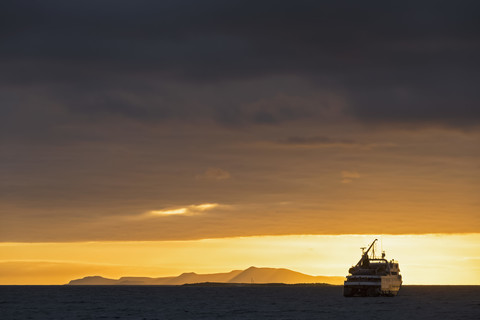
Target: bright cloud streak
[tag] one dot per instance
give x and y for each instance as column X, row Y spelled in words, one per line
column 170, row 212
column 189, row 210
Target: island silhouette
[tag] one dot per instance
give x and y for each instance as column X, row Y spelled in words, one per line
column 252, row 275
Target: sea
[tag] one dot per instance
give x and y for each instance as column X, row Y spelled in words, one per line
column 263, row 302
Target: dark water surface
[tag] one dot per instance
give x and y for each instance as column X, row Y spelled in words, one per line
column 149, row 302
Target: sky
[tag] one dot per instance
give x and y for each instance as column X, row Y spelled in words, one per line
column 151, row 123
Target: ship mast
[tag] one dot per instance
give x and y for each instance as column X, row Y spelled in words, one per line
column 365, row 254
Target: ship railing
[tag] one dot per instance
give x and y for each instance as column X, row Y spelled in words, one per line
column 359, row 276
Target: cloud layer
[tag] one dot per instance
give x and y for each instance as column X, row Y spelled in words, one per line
column 410, row 63
column 110, row 109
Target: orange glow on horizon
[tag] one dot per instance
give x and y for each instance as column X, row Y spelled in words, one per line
column 424, row 259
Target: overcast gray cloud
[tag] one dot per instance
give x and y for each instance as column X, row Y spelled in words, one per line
column 415, row 61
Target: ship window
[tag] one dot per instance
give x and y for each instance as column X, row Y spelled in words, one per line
column 394, row 273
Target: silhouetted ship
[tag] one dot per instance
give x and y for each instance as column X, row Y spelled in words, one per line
column 372, row 276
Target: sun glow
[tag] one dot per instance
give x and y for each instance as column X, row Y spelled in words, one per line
column 424, row 259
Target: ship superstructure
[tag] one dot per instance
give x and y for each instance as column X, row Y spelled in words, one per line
column 373, row 276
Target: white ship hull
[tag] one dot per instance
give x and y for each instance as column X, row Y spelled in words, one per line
column 373, row 287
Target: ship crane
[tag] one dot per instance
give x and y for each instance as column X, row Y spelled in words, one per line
column 364, row 257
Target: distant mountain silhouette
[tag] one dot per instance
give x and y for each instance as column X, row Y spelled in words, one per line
column 250, row 275
column 94, row 280
column 273, row 275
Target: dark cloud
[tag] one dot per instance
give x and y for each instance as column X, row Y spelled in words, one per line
column 412, row 62
column 317, row 141
column 214, row 174
column 314, row 142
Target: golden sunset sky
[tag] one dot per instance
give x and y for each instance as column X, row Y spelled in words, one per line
column 216, row 136
column 424, row 259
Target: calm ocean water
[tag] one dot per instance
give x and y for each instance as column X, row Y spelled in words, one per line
column 125, row 302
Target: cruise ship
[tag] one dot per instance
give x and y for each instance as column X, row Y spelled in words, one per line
column 373, row 276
